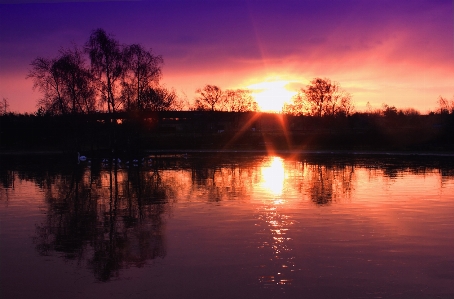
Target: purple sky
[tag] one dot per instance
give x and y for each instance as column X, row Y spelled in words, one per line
column 395, row 52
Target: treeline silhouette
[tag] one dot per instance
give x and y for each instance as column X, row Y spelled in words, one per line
column 214, row 130
column 116, row 103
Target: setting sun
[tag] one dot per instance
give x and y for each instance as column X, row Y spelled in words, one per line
column 271, row 95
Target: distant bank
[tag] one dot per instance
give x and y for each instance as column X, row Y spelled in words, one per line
column 226, row 131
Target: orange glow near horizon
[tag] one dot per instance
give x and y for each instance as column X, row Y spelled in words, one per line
column 272, row 95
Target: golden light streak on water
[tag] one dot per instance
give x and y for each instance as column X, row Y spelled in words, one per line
column 273, row 177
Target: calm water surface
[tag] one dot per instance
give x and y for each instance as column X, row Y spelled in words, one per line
column 228, row 226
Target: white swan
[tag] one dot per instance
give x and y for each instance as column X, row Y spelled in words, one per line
column 146, row 161
column 81, row 158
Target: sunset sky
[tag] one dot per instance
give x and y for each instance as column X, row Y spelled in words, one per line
column 396, row 52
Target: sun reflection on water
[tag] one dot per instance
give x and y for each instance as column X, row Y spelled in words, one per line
column 277, row 242
column 273, row 177
column 275, row 225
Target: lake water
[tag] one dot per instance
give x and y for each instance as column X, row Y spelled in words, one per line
column 228, row 226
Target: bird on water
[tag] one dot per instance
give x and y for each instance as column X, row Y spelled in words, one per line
column 81, row 158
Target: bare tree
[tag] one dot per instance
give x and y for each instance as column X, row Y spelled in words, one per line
column 47, row 81
column 107, row 64
column 159, row 99
column 143, row 71
column 297, row 107
column 4, row 105
column 210, row 98
column 389, row 111
column 239, row 100
column 77, row 81
column 321, row 98
column 120, row 77
column 445, row 106
column 326, row 98
column 346, row 105
column 65, row 83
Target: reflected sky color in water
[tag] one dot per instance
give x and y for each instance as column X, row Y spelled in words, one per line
column 229, row 227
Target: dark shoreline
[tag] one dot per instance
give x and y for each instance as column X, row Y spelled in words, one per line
column 102, row 135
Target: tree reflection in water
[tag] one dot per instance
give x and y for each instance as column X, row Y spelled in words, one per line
column 328, row 183
column 113, row 227
column 110, row 219
column 114, row 218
